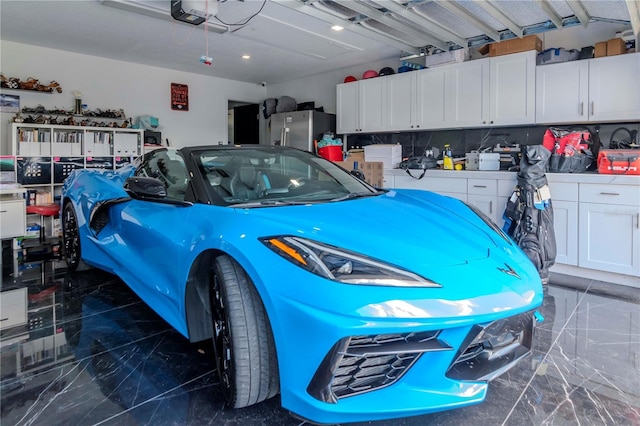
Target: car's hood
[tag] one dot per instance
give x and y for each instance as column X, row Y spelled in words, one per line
column 396, row 227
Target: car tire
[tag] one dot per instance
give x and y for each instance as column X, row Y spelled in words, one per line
column 71, row 239
column 242, row 338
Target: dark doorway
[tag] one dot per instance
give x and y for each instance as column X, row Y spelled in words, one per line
column 246, row 124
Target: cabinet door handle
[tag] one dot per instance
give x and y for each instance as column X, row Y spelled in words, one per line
column 4, row 319
column 638, row 220
column 490, row 207
column 581, row 108
column 609, row 193
column 3, row 211
column 592, row 108
column 479, row 186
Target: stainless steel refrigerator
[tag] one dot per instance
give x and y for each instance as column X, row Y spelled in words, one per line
column 299, row 129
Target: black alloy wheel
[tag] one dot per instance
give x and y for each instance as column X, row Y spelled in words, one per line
column 71, row 237
column 242, row 338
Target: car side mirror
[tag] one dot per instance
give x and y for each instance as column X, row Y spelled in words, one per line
column 145, row 188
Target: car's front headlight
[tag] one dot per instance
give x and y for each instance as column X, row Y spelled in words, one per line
column 341, row 265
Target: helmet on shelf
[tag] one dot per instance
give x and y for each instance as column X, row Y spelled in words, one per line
column 369, row 74
column 349, row 79
column 387, row 71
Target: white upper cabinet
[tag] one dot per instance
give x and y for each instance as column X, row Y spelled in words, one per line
column 513, row 89
column 401, row 93
column 432, row 90
column 614, row 88
column 500, row 91
column 600, row 89
column 362, row 106
column 373, row 104
column 562, row 92
column 347, row 100
column 469, row 94
column 417, row 99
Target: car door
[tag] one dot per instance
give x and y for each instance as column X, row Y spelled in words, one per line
column 153, row 233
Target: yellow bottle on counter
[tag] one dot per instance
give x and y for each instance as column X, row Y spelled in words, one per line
column 447, row 159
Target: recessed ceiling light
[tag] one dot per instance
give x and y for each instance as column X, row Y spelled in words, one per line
column 337, row 28
column 246, row 57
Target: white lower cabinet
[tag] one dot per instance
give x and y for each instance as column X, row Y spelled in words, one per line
column 610, row 240
column 564, row 198
column 455, row 187
column 483, row 194
column 565, row 225
column 610, row 224
column 596, row 217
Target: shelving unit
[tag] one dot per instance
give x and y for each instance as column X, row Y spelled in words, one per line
column 46, row 154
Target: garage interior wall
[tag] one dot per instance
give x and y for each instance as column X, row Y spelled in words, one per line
column 137, row 89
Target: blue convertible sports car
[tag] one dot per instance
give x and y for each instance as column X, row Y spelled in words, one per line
column 353, row 303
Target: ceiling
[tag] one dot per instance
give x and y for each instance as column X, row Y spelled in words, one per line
column 289, row 39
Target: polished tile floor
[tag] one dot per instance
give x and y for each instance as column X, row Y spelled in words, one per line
column 94, row 354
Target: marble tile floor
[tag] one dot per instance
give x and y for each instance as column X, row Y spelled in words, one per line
column 95, row 354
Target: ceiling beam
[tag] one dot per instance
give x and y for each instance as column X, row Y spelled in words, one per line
column 376, row 15
column 348, row 25
column 463, row 13
column 551, row 12
column 634, row 14
column 580, row 12
column 427, row 24
column 498, row 14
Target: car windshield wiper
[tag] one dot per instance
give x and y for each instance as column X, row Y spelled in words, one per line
column 354, row 195
column 268, row 203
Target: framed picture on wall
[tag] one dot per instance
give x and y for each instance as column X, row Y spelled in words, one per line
column 9, row 103
column 179, row 97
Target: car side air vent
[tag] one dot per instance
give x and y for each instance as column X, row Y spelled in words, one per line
column 360, row 364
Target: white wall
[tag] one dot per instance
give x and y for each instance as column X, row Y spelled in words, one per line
column 137, row 89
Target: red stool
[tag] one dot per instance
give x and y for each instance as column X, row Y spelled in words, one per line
column 44, row 210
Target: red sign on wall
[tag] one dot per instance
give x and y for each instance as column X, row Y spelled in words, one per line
column 179, row 97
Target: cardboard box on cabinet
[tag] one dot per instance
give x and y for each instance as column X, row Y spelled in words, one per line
column 600, row 49
column 616, row 46
column 373, row 170
column 516, row 45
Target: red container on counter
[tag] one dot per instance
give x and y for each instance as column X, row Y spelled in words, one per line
column 331, row 152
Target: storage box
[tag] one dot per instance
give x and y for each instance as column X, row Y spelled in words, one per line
column 515, row 45
column 619, row 161
column 482, row 161
column 600, row 49
column 389, row 154
column 373, row 171
column 556, row 55
column 443, row 58
column 616, row 46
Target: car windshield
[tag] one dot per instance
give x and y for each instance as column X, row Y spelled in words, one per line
column 274, row 176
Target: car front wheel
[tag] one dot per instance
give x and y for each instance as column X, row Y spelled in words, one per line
column 242, row 338
column 71, row 237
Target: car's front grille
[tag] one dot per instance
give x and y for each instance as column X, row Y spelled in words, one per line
column 359, row 364
column 491, row 349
